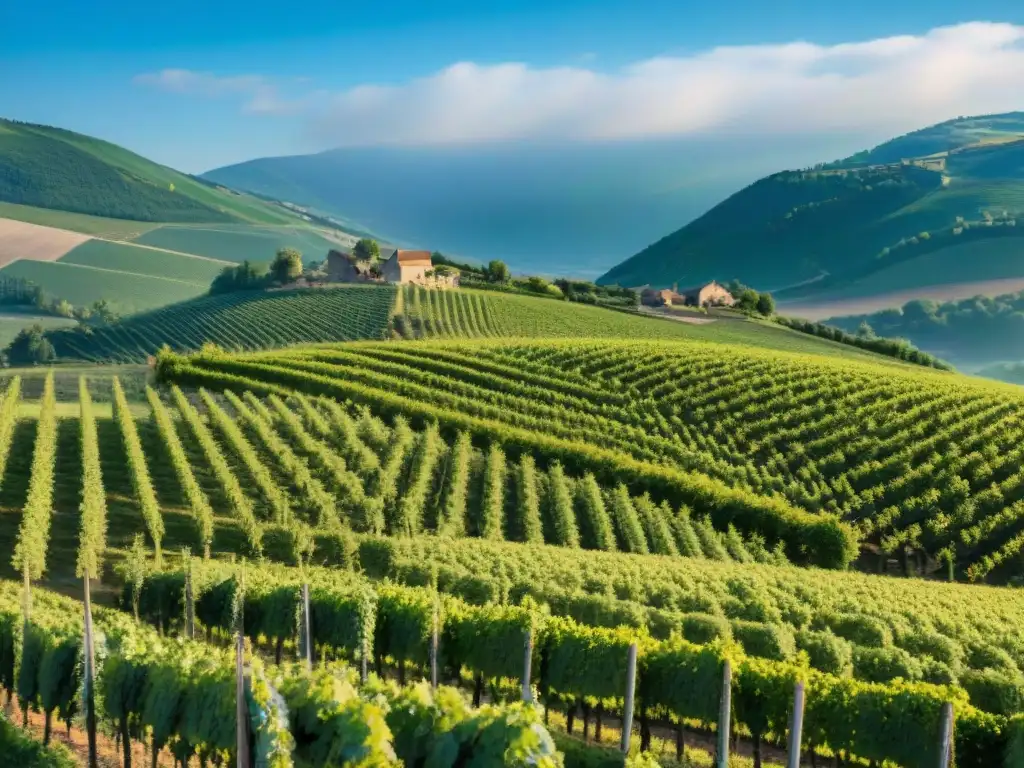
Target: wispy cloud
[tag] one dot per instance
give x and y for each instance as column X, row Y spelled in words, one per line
column 890, row 83
column 259, row 94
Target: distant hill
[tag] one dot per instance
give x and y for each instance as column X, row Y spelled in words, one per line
column 152, row 235
column 57, row 169
column 837, row 229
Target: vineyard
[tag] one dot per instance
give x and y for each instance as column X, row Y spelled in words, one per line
column 257, row 320
column 237, row 321
column 922, row 465
column 599, row 494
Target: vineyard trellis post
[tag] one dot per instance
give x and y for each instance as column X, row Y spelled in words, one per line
column 796, row 727
column 946, row 735
column 88, row 685
column 724, row 717
column 527, row 665
column 190, row 606
column 433, row 648
column 627, row 712
column 241, row 706
column 307, row 636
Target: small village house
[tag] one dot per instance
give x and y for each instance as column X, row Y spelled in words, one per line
column 402, row 267
column 704, row 295
column 707, row 295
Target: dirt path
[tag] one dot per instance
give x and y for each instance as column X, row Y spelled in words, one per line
column 108, row 752
column 678, row 316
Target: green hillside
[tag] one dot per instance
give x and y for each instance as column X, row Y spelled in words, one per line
column 53, row 168
column 238, row 242
column 251, row 320
column 837, row 225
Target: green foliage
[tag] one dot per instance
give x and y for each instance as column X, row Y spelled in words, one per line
column 240, row 505
column 826, row 652
column 766, row 641
column 880, row 665
column 595, row 523
column 628, row 530
column 138, row 469
column 19, row 749
column 899, row 348
column 703, row 628
column 366, row 249
column 497, row 272
column 287, row 265
column 31, row 347
column 92, row 539
column 34, row 533
column 994, row 691
column 242, row 277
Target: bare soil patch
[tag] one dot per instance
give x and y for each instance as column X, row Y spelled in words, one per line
column 32, row 242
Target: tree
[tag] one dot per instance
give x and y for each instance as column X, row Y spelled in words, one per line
column 748, row 299
column 497, row 272
column 766, row 304
column 241, row 277
column 287, row 265
column 31, row 346
column 366, row 249
column 102, row 311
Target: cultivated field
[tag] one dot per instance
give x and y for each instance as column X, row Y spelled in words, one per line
column 238, row 242
column 260, row 320
column 487, row 469
column 81, row 285
column 32, row 242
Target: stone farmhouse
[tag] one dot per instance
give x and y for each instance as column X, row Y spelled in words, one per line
column 705, row 295
column 402, row 267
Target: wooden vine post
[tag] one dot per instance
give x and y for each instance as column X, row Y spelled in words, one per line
column 627, row 713
column 190, row 605
column 527, row 666
column 89, row 674
column 307, row 634
column 946, row 736
column 433, row 647
column 724, row 718
column 241, row 705
column 796, row 727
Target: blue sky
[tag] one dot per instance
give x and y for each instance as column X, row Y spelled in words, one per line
column 201, row 84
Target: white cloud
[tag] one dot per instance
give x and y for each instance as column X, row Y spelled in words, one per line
column 260, row 95
column 888, row 84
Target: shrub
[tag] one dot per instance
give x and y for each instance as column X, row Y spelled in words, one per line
column 933, row 644
column 702, row 628
column 994, row 691
column 983, row 656
column 766, row 641
column 858, row 628
column 827, row 652
column 880, row 665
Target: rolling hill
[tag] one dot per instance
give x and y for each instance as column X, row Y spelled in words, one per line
column 88, row 220
column 876, row 222
column 259, row 320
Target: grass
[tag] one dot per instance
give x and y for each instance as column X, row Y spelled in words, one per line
column 257, row 244
column 82, row 285
column 98, row 226
column 11, row 323
column 124, row 257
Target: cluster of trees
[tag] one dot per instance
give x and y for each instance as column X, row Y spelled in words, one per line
column 285, row 268
column 901, row 349
column 751, row 301
column 977, row 330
